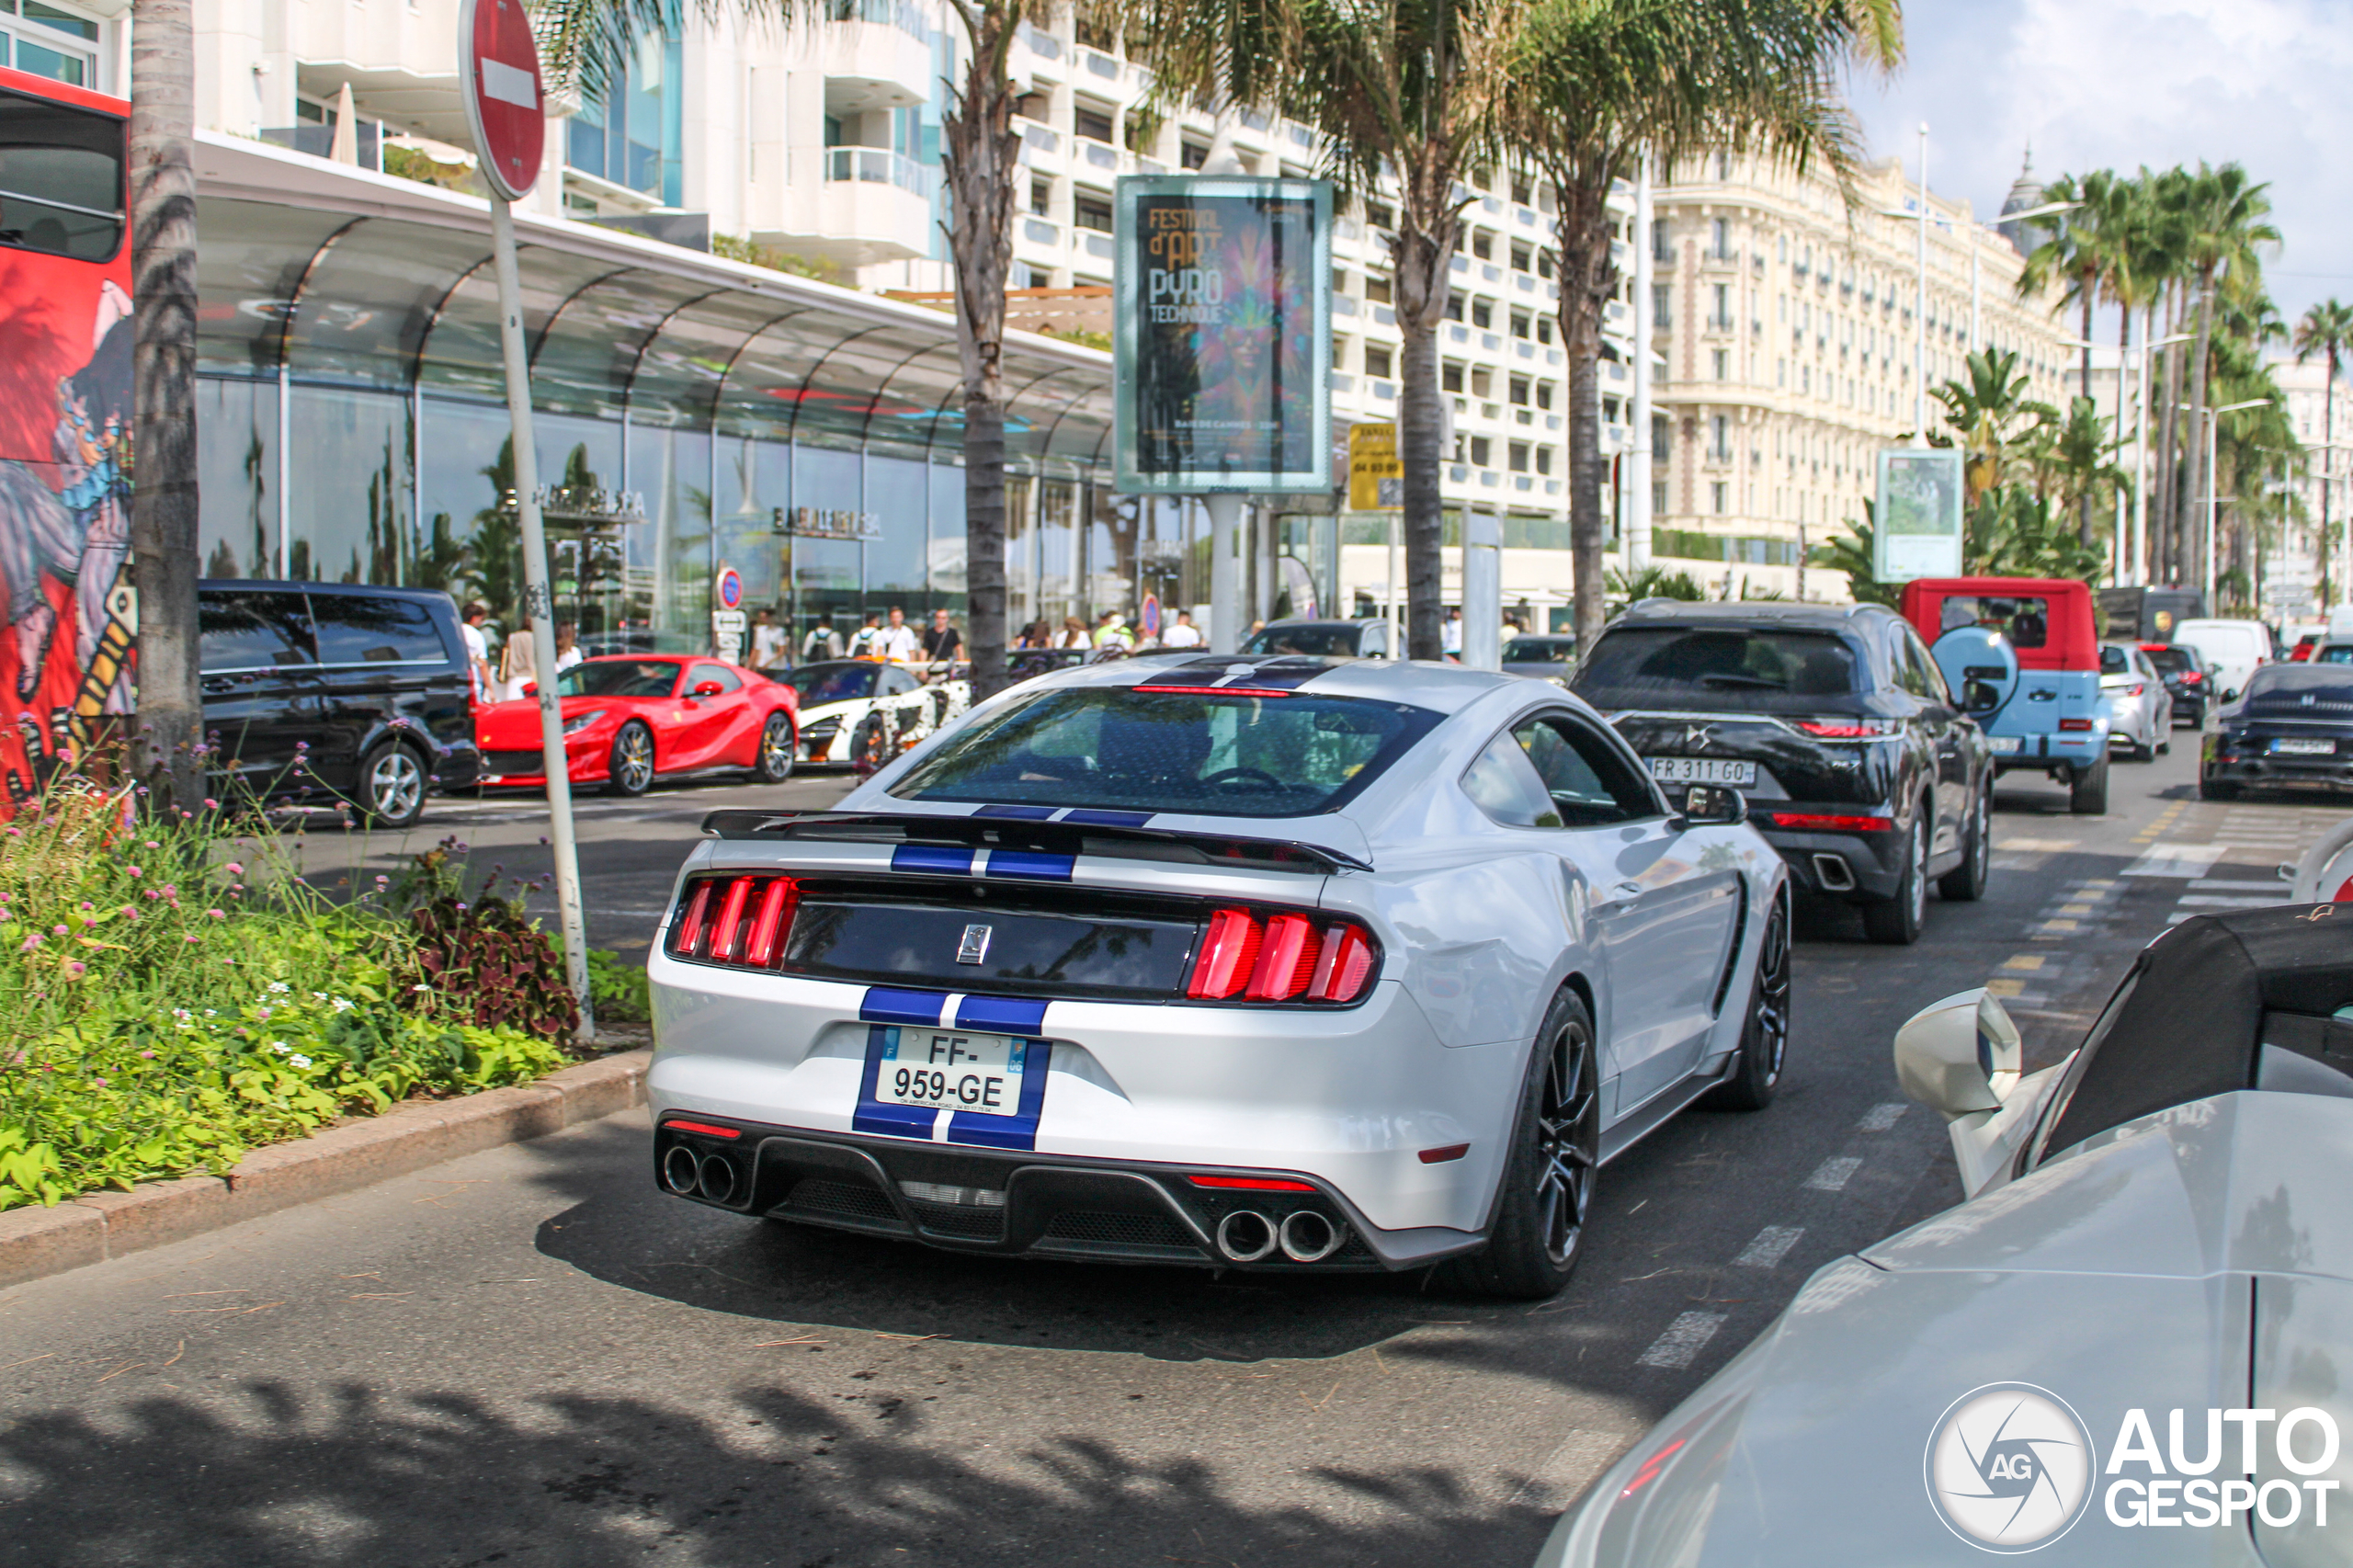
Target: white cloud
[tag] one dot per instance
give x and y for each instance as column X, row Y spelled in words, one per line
column 2116, row 84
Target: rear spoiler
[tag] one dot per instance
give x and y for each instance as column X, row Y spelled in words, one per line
column 1050, row 837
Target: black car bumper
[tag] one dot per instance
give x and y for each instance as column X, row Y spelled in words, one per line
column 1861, row 868
column 2256, row 772
column 1021, row 1203
column 2189, row 710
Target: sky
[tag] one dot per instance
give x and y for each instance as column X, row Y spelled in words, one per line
column 2117, row 83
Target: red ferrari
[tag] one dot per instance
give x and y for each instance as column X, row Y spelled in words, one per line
column 630, row 719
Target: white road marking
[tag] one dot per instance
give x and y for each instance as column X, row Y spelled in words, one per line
column 1772, row 1245
column 2228, row 884
column 2225, row 900
column 1833, row 1173
column 1683, row 1339
column 2175, row 859
column 1880, row 1118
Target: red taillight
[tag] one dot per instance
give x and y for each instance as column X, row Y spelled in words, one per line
column 742, row 921
column 1253, row 1184
column 2191, row 677
column 2074, row 723
column 2138, row 687
column 1847, row 729
column 705, row 1128
column 1819, row 823
column 1281, row 958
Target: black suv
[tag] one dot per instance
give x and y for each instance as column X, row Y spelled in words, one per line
column 323, row 692
column 1859, row 765
column 2185, row 676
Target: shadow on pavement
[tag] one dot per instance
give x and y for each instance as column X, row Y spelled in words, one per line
column 348, row 1476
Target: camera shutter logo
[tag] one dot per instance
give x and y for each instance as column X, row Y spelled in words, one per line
column 2010, row 1467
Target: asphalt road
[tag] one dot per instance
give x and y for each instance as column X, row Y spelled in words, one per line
column 529, row 1357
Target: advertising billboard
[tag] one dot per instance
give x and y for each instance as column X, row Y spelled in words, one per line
column 1918, row 515
column 1223, row 335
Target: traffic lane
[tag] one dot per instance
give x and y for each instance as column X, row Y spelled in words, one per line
column 588, row 1359
column 630, row 849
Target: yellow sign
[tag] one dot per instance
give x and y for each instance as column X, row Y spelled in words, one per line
column 1376, row 475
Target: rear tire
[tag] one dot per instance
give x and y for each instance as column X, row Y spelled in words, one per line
column 2215, row 790
column 630, row 770
column 1764, row 1035
column 1965, row 884
column 774, row 765
column 1897, row 922
column 2088, row 796
column 1538, row 1234
column 393, row 786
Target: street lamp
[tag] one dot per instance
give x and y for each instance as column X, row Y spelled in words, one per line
column 2213, row 499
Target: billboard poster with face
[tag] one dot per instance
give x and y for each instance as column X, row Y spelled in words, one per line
column 1918, row 515
column 1224, row 336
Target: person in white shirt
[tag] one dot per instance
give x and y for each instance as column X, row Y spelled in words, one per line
column 515, row 663
column 567, row 647
column 477, row 648
column 866, row 641
column 1450, row 637
column 823, row 641
column 768, row 640
column 900, row 643
column 1184, row 634
column 1113, row 632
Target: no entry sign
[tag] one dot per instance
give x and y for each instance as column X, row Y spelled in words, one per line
column 499, row 61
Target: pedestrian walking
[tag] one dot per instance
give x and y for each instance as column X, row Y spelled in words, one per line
column 768, row 639
column 940, row 641
column 823, row 641
column 515, row 663
column 567, row 646
column 1183, row 634
column 477, row 648
column 899, row 643
column 1113, row 632
column 866, row 641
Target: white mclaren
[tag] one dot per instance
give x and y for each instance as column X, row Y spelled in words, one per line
column 861, row 712
column 1267, row 963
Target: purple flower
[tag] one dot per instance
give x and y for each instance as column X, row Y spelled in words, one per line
column 31, row 943
column 75, row 970
column 215, row 913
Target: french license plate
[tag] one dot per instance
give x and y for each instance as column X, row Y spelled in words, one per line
column 2006, row 745
column 1702, row 770
column 2290, row 746
column 939, row 1069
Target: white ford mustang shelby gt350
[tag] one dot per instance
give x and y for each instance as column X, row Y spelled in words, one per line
column 1279, row 963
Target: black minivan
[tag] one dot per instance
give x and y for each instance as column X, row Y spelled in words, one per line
column 328, row 692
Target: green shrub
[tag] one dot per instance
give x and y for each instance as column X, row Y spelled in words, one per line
column 620, row 991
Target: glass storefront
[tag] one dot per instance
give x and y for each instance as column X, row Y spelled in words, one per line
column 687, row 423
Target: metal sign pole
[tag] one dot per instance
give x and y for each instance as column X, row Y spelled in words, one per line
column 538, row 605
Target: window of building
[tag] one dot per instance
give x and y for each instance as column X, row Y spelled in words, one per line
column 1482, row 313
column 1524, row 192
column 1658, row 500
column 1717, row 492
column 1376, row 286
column 1518, row 391
column 1482, row 451
column 1662, row 247
column 1724, row 165
column 1453, row 306
column 1339, row 352
column 1483, row 383
column 1482, row 243
column 1520, row 326
column 1092, row 122
column 1193, row 154
column 1090, row 209
column 1719, row 429
column 1517, row 456
column 1039, row 106
column 1543, row 264
column 633, row 136
column 1095, row 38
column 1543, row 394
column 1449, row 377
column 1042, row 197
column 1380, row 215
column 1544, row 329
column 1523, row 257
column 1377, row 362
column 1662, row 312
column 1661, row 435
column 1721, row 317
column 1719, row 238
column 1722, row 358
column 48, row 40
column 1543, row 459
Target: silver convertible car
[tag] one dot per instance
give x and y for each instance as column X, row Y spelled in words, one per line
column 1251, row 962
column 2131, row 1346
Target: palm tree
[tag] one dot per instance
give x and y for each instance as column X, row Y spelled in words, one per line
column 1606, row 82
column 2227, row 215
column 1989, row 414
column 2326, row 329
column 2089, row 248
column 586, row 40
column 1408, row 91
column 163, row 500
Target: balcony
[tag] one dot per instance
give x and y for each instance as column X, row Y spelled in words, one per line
column 1041, row 145
column 1615, row 439
column 876, row 54
column 1098, row 155
column 873, row 206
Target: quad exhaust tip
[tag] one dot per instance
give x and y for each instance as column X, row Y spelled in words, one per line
column 717, row 1178
column 1309, row 1237
column 681, row 1171
column 1245, row 1236
column 1833, row 872
column 1305, row 1236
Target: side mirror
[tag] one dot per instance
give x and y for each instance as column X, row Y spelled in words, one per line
column 709, row 688
column 1714, row 805
column 530, row 688
column 1960, row 1055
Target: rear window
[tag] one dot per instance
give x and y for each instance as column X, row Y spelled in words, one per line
column 1710, row 667
column 356, row 628
column 2334, row 654
column 2299, row 691
column 1541, row 651
column 618, row 678
column 2114, row 661
column 2023, row 618
column 1128, row 749
column 1315, row 642
column 2169, row 659
column 250, row 631
column 60, row 178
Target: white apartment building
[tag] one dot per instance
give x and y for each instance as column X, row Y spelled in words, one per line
column 2292, row 572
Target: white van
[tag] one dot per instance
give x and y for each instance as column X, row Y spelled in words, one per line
column 2234, row 650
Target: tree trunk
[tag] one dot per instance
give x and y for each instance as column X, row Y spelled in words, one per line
column 2197, row 518
column 2168, row 448
column 1589, row 279
column 2328, row 467
column 979, row 151
column 169, row 728
column 1429, row 222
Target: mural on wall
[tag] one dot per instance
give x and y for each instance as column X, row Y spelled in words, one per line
column 65, row 475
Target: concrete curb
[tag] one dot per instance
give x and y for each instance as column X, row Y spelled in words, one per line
column 101, row 1225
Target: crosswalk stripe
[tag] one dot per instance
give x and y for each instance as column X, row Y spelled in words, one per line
column 1683, row 1339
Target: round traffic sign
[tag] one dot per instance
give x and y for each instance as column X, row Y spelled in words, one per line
column 731, row 588
column 499, row 78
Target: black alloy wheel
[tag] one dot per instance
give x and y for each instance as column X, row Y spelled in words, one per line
column 392, row 784
column 1897, row 922
column 630, row 771
column 1965, row 884
column 1547, row 1197
column 775, row 763
column 1765, row 1033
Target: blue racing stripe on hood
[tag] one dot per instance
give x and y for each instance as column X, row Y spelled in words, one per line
column 938, row 859
column 885, row 1006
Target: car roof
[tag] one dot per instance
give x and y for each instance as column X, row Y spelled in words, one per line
column 1321, row 620
column 1741, row 612
column 284, row 586
column 1440, row 688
